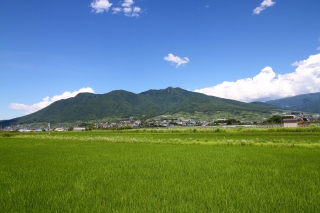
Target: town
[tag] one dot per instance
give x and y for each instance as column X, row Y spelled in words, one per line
column 277, row 120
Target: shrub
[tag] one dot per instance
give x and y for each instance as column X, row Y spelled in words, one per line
column 6, row 135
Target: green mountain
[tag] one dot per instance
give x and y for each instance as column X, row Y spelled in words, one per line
column 306, row 103
column 123, row 104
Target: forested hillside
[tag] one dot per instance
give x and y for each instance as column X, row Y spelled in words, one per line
column 123, row 104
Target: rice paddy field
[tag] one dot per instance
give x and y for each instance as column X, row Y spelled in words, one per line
column 157, row 170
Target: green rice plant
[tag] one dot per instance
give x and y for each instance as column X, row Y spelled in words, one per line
column 6, row 134
column 96, row 172
column 216, row 137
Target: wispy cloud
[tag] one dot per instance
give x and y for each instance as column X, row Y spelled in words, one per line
column 116, row 10
column 263, row 6
column 268, row 85
column 99, row 6
column 129, row 10
column 318, row 48
column 28, row 109
column 127, row 3
column 126, row 6
column 136, row 9
column 176, row 59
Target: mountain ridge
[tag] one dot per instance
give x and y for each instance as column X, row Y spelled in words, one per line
column 306, row 102
column 124, row 104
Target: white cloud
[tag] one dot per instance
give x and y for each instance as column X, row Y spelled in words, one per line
column 263, row 6
column 176, row 59
column 127, row 3
column 116, row 10
column 47, row 101
column 136, row 9
column 267, row 85
column 318, row 48
column 99, row 6
column 127, row 11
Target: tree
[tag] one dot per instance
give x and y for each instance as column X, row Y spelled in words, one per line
column 89, row 127
column 231, row 121
column 275, row 119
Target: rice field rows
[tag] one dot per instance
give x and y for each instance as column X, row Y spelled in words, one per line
column 160, row 172
column 252, row 137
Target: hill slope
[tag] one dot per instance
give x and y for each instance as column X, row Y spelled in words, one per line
column 123, row 104
column 307, row 103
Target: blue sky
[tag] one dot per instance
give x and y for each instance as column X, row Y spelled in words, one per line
column 243, row 50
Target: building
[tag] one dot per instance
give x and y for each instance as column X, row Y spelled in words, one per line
column 290, row 122
column 79, row 129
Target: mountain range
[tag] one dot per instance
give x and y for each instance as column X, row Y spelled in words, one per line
column 123, row 104
column 306, row 103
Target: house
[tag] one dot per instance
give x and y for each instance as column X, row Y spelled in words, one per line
column 290, row 122
column 79, row 129
column 24, row 130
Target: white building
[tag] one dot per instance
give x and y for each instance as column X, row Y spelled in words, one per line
column 79, row 129
column 290, row 122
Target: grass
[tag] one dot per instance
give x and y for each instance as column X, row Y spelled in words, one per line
column 160, row 172
column 287, row 137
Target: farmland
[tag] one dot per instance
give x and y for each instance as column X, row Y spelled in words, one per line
column 152, row 170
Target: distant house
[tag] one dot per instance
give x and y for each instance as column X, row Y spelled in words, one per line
column 24, row 130
column 290, row 122
column 79, row 129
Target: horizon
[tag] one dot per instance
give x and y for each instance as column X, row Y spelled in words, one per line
column 245, row 51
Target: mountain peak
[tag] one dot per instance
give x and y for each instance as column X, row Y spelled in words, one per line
column 123, row 104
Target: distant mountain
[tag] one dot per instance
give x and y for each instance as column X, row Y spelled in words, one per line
column 306, row 103
column 123, row 104
column 261, row 104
